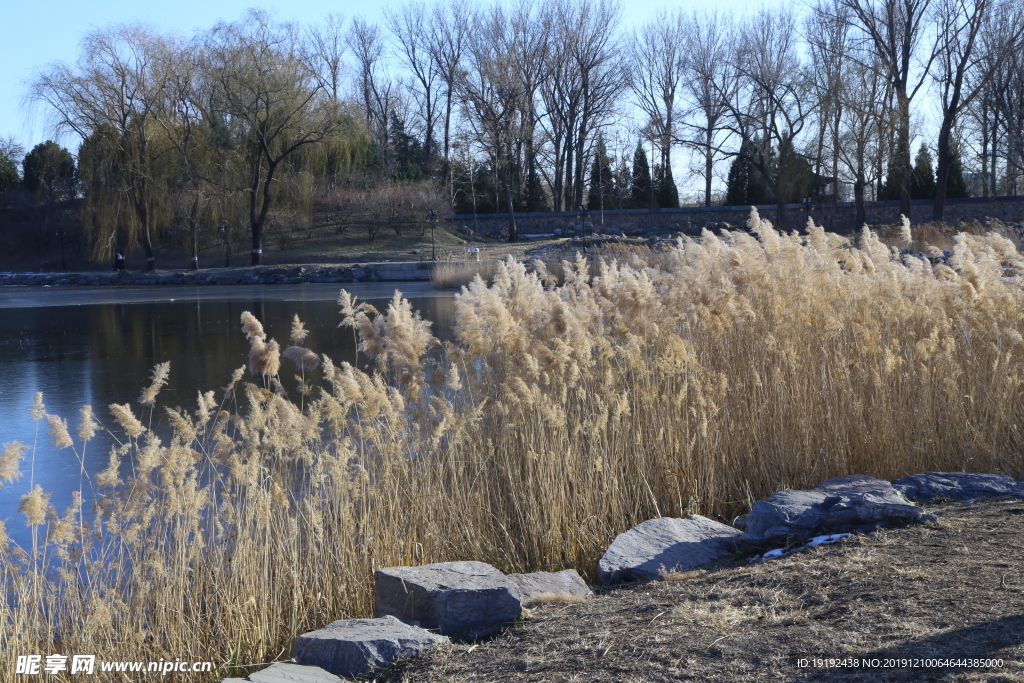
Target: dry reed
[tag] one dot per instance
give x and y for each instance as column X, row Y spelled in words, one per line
column 456, row 274
column 692, row 381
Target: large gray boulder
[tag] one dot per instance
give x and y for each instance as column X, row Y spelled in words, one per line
column 854, row 502
column 663, row 545
column 961, row 486
column 540, row 587
column 285, row 672
column 464, row 600
column 355, row 647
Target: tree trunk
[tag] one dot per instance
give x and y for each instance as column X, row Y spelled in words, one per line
column 984, row 149
column 147, row 242
column 258, row 219
column 194, row 225
column 708, row 166
column 556, row 186
column 945, row 158
column 858, row 198
column 903, row 155
column 449, row 180
column 569, row 175
column 513, row 233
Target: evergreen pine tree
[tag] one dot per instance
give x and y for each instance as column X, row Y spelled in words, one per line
column 408, row 152
column 640, row 186
column 956, row 185
column 737, row 183
column 890, row 190
column 668, row 195
column 745, row 185
column 922, row 179
column 537, row 198
column 8, row 173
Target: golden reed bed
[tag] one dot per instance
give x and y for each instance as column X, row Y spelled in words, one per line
column 690, row 381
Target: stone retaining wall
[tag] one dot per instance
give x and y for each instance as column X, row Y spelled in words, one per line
column 257, row 275
column 838, row 217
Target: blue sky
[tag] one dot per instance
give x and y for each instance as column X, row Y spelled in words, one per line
column 38, row 33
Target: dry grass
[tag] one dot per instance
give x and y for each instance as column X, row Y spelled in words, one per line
column 457, row 274
column 696, row 380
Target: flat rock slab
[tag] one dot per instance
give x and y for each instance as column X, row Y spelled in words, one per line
column 464, row 600
column 959, row 486
column 850, row 503
column 665, row 544
column 540, row 587
column 355, row 647
column 285, row 672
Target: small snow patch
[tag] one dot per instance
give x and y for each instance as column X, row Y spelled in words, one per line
column 781, row 552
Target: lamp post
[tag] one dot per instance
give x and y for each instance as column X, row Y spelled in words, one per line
column 432, row 217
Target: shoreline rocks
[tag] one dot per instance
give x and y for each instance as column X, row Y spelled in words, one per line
column 464, row 600
column 357, row 647
column 540, row 587
column 851, row 503
column 959, row 486
column 469, row 600
column 398, row 271
column 663, row 545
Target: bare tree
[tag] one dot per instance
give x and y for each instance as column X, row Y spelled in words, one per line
column 530, row 26
column 325, row 50
column 771, row 105
column 828, row 37
column 893, row 31
column 12, row 149
column 656, row 65
column 380, row 94
column 709, row 83
column 492, row 96
column 409, row 26
column 448, row 33
column 861, row 129
column 961, row 69
column 585, row 79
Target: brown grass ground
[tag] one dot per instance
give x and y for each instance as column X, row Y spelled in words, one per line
column 951, row 589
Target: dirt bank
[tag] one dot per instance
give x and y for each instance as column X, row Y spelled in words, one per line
column 951, row 590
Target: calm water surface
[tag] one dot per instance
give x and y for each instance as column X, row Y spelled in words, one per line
column 98, row 346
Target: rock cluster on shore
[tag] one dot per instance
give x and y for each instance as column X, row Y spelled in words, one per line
column 421, row 607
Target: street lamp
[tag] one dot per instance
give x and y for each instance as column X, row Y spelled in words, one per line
column 432, row 217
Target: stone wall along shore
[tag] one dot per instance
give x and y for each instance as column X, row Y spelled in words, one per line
column 255, row 275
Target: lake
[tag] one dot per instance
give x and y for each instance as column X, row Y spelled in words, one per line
column 98, row 346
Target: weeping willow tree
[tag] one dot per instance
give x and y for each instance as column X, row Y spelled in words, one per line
column 273, row 106
column 253, row 130
column 123, row 208
column 109, row 98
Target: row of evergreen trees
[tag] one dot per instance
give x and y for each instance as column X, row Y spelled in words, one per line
column 624, row 187
column 746, row 184
column 922, row 179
